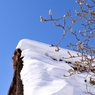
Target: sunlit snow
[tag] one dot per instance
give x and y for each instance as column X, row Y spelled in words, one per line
column 41, row 75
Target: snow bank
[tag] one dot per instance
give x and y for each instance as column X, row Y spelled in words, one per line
column 41, row 75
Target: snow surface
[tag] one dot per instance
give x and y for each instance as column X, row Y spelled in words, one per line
column 41, row 75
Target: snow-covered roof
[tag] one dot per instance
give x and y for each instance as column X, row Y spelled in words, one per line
column 43, row 71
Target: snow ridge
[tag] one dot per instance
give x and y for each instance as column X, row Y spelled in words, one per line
column 41, row 75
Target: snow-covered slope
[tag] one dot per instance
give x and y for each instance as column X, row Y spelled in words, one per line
column 43, row 71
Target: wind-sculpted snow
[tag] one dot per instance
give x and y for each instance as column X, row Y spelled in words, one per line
column 42, row 75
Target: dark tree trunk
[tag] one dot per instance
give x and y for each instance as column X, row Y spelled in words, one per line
column 19, row 88
column 16, row 87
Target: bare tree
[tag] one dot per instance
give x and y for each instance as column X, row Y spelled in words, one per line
column 86, row 53
column 87, row 14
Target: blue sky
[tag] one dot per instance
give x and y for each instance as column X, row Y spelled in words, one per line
column 21, row 19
